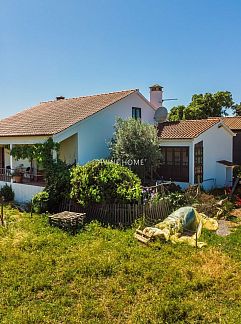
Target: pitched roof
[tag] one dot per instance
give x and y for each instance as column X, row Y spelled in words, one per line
column 52, row 117
column 185, row 129
column 233, row 122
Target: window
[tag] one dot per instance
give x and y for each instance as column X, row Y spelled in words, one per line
column 136, row 113
column 198, row 162
column 175, row 163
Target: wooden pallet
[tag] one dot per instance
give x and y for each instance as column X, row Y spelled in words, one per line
column 143, row 237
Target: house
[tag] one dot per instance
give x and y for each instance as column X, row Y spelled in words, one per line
column 197, row 151
column 234, row 123
column 82, row 126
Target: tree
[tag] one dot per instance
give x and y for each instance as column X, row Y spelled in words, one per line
column 204, row 106
column 237, row 109
column 136, row 145
column 176, row 113
column 101, row 181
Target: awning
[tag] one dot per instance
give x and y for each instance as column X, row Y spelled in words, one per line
column 227, row 163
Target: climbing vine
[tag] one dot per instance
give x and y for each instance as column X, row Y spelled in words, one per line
column 57, row 173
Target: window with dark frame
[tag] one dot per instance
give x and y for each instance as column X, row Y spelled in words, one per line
column 136, row 113
column 175, row 163
column 198, row 162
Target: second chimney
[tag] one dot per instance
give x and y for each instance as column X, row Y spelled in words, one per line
column 60, row 98
column 156, row 93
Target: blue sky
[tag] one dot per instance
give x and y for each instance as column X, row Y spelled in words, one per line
column 73, row 48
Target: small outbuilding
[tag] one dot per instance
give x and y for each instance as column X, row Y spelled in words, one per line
column 192, row 152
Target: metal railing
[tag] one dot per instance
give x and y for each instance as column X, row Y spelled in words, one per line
column 5, row 175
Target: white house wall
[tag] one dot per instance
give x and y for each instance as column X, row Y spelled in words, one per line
column 23, row 193
column 217, row 145
column 97, row 130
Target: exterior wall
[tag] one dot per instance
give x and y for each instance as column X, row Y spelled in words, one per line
column 23, row 193
column 96, row 131
column 217, row 145
column 69, row 149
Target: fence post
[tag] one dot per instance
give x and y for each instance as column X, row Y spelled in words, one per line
column 196, row 236
column 2, row 217
column 31, row 208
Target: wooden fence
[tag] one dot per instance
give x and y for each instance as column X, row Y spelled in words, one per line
column 122, row 215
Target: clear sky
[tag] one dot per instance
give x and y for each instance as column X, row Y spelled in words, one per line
column 75, row 47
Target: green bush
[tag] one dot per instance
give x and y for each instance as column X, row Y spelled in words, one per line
column 40, row 202
column 58, row 184
column 7, row 192
column 103, row 181
column 175, row 199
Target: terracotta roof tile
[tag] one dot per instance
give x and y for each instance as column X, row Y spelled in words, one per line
column 234, row 123
column 52, row 117
column 185, row 129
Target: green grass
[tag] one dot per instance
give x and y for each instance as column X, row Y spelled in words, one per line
column 104, row 275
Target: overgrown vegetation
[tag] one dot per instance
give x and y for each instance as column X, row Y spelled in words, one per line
column 102, row 181
column 7, row 193
column 57, row 173
column 104, row 275
column 136, row 145
column 40, row 202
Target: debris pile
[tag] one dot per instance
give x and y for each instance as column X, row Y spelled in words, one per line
column 182, row 226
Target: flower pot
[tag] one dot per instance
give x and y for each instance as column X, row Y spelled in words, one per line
column 17, row 178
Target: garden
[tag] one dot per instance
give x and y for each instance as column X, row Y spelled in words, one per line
column 102, row 274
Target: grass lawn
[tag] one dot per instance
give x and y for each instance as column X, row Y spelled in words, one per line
column 104, row 275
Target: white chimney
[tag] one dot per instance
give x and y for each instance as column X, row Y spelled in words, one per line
column 156, row 95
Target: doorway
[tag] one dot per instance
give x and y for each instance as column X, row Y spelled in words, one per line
column 2, row 162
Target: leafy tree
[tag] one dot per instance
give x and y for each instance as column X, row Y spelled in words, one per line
column 237, row 109
column 204, row 106
column 176, row 113
column 136, row 145
column 101, row 181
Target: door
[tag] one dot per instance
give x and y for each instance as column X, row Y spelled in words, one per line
column 2, row 162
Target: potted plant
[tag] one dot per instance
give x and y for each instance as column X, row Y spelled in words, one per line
column 17, row 175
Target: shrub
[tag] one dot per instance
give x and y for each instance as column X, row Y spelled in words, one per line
column 103, row 181
column 175, row 199
column 136, row 141
column 7, row 192
column 40, row 202
column 57, row 184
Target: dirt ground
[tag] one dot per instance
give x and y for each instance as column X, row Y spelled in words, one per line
column 227, row 226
